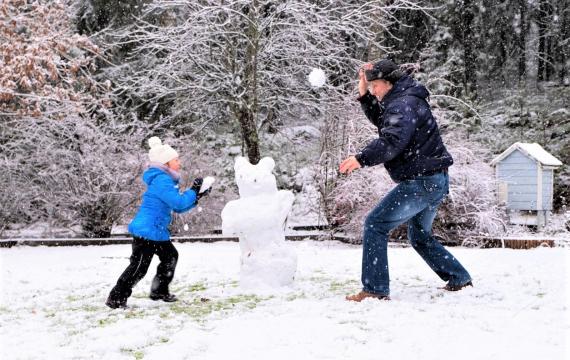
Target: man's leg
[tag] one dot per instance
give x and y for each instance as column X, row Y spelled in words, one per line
column 445, row 265
column 139, row 262
column 168, row 256
column 398, row 206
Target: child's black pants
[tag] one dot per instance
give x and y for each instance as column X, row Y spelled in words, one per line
column 143, row 251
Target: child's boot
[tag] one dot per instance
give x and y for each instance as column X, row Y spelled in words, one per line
column 163, row 297
column 116, row 304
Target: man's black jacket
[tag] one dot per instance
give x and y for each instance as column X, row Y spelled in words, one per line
column 409, row 143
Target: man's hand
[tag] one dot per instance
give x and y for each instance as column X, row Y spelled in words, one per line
column 349, row 164
column 362, row 83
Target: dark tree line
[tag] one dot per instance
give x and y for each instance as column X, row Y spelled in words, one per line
column 511, row 41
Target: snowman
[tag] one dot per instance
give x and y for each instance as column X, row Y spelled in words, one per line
column 258, row 219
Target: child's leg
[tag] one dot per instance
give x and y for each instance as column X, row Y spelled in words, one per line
column 165, row 272
column 141, row 257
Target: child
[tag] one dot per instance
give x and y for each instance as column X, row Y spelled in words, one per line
column 149, row 228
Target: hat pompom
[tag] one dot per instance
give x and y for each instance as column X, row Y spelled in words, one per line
column 159, row 152
column 154, row 142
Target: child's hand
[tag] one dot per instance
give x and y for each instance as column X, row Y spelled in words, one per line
column 204, row 193
column 197, row 184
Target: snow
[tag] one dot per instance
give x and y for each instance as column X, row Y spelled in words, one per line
column 207, row 183
column 39, row 230
column 52, row 307
column 305, row 211
column 563, row 112
column 317, row 77
column 258, row 219
column 537, row 152
column 304, row 131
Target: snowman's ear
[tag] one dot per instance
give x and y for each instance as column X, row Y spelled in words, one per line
column 240, row 163
column 267, row 164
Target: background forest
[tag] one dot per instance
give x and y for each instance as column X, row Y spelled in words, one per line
column 84, row 84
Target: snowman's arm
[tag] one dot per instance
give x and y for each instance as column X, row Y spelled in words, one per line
column 231, row 218
column 286, row 199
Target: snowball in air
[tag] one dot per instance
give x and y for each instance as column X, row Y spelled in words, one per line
column 317, row 77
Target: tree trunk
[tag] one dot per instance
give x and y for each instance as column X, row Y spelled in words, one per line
column 540, row 72
column 542, row 40
column 522, row 39
column 549, row 46
column 564, row 45
column 468, row 48
column 549, row 58
column 248, row 114
column 501, row 60
column 249, row 133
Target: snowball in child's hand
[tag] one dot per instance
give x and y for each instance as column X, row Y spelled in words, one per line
column 317, row 77
column 206, row 183
column 185, row 227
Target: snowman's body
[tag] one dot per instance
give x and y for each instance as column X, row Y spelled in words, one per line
column 258, row 219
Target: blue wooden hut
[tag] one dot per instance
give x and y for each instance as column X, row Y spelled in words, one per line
column 525, row 176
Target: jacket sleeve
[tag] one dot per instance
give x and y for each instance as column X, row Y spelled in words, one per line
column 371, row 107
column 399, row 127
column 168, row 192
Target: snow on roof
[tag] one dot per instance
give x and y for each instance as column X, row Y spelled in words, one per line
column 532, row 150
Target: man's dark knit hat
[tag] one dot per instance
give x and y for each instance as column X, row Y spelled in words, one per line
column 384, row 69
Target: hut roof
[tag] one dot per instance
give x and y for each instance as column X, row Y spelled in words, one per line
column 532, row 150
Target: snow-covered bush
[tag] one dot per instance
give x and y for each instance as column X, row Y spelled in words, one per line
column 346, row 198
column 469, row 211
column 71, row 171
column 45, row 66
column 65, row 157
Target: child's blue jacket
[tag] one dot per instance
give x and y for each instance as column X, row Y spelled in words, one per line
column 160, row 199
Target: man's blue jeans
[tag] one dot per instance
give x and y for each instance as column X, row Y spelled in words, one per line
column 413, row 201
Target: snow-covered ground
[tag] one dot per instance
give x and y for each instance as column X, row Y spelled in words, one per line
column 52, row 307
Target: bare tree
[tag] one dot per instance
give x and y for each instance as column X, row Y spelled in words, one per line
column 245, row 62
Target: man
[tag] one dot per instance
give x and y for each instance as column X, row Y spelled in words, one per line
column 411, row 149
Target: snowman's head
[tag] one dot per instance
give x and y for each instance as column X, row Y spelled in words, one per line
column 255, row 179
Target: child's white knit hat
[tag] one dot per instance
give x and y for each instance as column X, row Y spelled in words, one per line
column 160, row 153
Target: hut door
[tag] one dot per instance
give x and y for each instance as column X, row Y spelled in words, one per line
column 503, row 192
